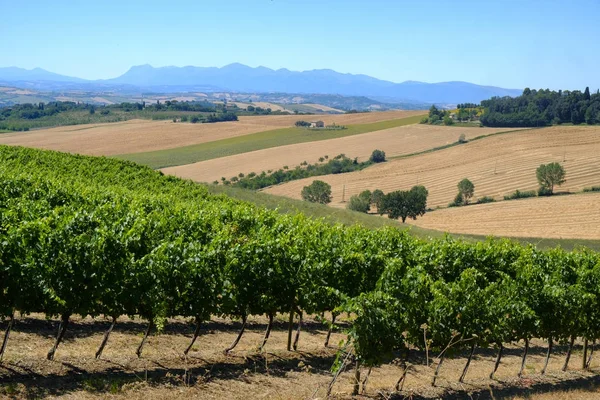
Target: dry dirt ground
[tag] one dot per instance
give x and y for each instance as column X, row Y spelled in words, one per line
column 395, row 141
column 566, row 217
column 247, row 373
column 143, row 135
column 497, row 166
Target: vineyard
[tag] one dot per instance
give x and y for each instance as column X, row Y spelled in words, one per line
column 85, row 236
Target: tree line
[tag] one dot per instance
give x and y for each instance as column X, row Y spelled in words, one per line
column 542, row 108
column 95, row 236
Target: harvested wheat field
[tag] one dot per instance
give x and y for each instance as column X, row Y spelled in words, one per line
column 137, row 136
column 558, row 217
column 247, row 373
column 497, row 166
column 394, row 141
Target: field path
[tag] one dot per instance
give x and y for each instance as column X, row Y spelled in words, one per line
column 135, row 136
column 395, row 142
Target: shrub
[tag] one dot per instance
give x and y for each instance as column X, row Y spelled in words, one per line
column 424, row 120
column 377, row 156
column 544, row 191
column 592, row 189
column 317, row 192
column 485, row 199
column 458, row 201
column 184, row 118
column 520, row 195
column 194, row 120
column 448, row 121
column 358, row 203
column 462, row 138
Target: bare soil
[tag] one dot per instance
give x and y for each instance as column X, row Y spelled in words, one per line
column 164, row 373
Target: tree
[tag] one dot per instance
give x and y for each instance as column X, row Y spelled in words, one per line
column 317, row 192
column 376, row 197
column 466, row 189
column 448, row 121
column 377, row 156
column 405, row 203
column 549, row 175
column 358, row 203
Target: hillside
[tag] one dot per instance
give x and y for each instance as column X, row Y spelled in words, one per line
column 138, row 136
column 497, row 166
column 397, row 141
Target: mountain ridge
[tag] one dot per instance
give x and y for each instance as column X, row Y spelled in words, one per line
column 237, row 77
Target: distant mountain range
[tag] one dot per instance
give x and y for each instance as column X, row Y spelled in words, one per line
column 241, row 78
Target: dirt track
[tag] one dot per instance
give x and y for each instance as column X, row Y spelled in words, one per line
column 136, row 136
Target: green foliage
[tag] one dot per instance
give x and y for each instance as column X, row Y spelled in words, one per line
column 92, row 236
column 405, row 204
column 466, row 190
column 549, row 175
column 520, row 194
column 302, row 124
column 377, row 156
column 448, row 121
column 317, row 192
column 485, row 199
column 535, row 108
column 361, row 202
column 338, row 165
column 592, row 189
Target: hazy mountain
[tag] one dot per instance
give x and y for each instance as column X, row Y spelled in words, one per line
column 13, row 74
column 241, row 78
column 238, row 77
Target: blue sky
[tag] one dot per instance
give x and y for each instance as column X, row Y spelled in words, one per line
column 507, row 43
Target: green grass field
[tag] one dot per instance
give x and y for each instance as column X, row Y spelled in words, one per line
column 348, row 217
column 256, row 141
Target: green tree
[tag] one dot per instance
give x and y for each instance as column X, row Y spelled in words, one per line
column 448, row 121
column 466, row 189
column 405, row 203
column 317, row 192
column 359, row 204
column 377, row 156
column 549, row 175
column 376, row 197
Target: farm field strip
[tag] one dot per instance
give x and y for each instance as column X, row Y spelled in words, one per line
column 257, row 141
column 574, row 216
column 136, row 136
column 497, row 165
column 394, row 141
column 246, row 372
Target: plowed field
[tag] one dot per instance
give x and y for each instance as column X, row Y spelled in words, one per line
column 497, row 165
column 558, row 217
column 143, row 135
column 395, row 141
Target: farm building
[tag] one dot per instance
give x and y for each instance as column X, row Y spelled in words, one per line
column 317, row 124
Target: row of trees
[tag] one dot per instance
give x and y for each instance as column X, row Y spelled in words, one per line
column 542, row 107
column 548, row 176
column 94, row 236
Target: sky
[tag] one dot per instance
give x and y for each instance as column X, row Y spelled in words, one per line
column 510, row 43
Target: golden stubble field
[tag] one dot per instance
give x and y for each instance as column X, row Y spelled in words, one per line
column 497, row 166
column 137, row 136
column 394, row 141
column 247, row 373
column 561, row 217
